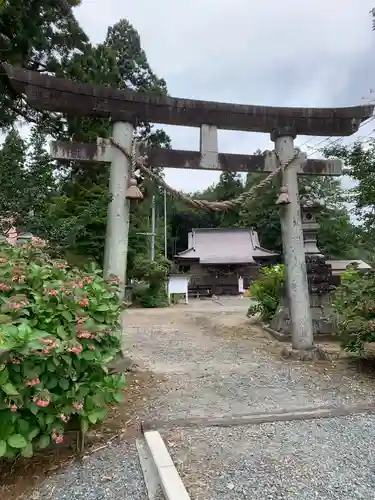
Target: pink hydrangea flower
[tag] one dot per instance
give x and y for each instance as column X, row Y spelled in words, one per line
column 76, row 349
column 41, row 402
column 85, row 335
column 31, row 383
column 57, row 438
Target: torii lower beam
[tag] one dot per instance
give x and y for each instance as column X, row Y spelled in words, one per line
column 171, row 158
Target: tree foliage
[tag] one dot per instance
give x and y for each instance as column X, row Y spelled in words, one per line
column 359, row 163
column 73, row 213
column 37, row 35
column 354, row 302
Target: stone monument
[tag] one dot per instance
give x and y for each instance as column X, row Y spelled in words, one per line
column 320, row 280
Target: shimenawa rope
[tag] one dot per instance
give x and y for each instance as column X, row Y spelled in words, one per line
column 206, row 205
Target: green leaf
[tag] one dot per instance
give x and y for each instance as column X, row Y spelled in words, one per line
column 23, row 426
column 27, row 451
column 98, row 317
column 44, row 441
column 17, row 441
column 64, row 384
column 98, row 399
column 119, row 397
column 51, row 366
column 102, row 307
column 34, row 408
column 66, row 314
column 49, row 418
column 4, row 375
column 3, row 448
column 9, row 389
column 67, row 359
column 61, row 332
column 88, row 355
column 33, row 433
column 52, row 383
column 97, row 415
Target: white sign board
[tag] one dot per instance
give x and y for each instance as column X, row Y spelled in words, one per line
column 178, row 283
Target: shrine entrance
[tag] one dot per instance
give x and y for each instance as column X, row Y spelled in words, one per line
column 225, row 278
column 126, row 108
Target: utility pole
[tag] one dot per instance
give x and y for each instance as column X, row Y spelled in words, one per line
column 153, row 228
column 294, row 253
column 165, row 225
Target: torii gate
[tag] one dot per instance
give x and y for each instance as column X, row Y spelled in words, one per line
column 127, row 108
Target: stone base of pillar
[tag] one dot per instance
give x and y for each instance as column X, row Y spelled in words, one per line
column 318, row 353
column 321, row 283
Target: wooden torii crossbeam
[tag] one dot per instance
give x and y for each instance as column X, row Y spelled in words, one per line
column 101, row 152
column 127, row 109
column 82, row 99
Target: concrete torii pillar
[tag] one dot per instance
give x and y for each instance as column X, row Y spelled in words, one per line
column 293, row 246
column 116, row 242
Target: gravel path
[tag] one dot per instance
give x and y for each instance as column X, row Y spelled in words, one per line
column 215, row 363
column 110, row 474
column 323, row 459
column 214, row 374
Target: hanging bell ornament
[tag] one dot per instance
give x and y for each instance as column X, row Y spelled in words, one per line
column 133, row 192
column 283, row 198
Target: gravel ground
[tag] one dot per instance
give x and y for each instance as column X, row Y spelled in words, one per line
column 210, row 372
column 110, row 474
column 326, row 459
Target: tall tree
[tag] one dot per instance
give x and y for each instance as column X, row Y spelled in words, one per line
column 229, row 186
column 13, row 182
column 74, row 219
column 36, row 35
column 359, row 162
column 26, row 179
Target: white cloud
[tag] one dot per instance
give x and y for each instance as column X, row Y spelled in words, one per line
column 289, row 53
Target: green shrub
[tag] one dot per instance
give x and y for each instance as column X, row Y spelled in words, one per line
column 154, row 274
column 59, row 330
column 267, row 290
column 354, row 303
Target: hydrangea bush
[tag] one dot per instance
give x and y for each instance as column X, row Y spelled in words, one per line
column 59, row 331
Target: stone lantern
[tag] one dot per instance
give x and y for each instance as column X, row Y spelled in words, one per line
column 319, row 273
column 310, row 210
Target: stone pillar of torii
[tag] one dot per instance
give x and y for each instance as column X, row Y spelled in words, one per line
column 127, row 108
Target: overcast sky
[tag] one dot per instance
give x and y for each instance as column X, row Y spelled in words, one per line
column 290, row 53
